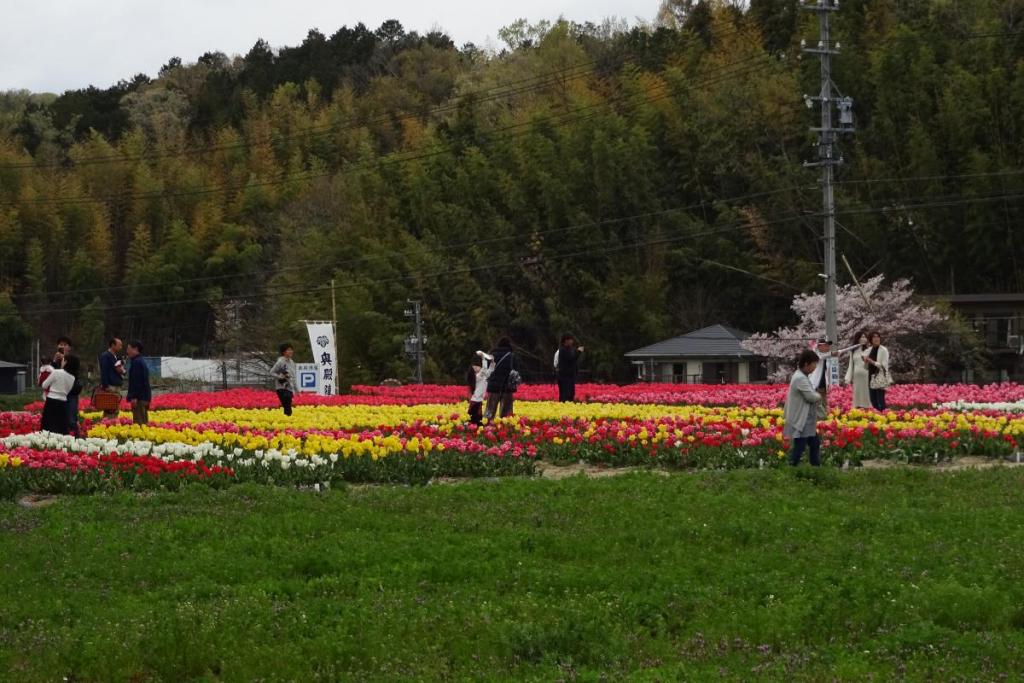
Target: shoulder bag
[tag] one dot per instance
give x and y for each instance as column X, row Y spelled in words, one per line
column 881, row 380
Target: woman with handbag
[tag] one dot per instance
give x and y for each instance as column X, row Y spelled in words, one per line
column 503, row 382
column 857, row 373
column 803, row 410
column 878, row 369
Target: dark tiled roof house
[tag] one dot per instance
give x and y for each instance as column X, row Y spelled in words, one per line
column 712, row 355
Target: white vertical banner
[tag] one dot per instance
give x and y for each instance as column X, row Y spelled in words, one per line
column 832, row 367
column 325, row 356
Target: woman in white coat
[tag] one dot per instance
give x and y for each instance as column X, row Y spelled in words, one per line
column 857, row 373
column 801, row 412
column 57, row 386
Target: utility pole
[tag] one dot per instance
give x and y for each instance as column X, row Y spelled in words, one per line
column 334, row 328
column 414, row 345
column 827, row 160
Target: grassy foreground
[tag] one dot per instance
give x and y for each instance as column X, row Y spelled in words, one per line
column 740, row 575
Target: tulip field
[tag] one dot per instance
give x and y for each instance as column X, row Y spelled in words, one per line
column 414, row 434
column 226, row 541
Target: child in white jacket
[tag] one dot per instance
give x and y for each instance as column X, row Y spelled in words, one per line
column 476, row 379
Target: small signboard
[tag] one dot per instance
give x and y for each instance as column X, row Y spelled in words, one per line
column 307, row 377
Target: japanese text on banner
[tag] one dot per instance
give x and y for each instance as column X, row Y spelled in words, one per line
column 325, row 357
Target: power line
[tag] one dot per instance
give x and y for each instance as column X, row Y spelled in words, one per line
column 947, row 176
column 738, row 225
column 902, row 207
column 462, row 245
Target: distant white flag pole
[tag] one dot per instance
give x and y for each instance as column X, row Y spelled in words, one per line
column 325, row 356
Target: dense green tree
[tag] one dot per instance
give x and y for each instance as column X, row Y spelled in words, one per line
column 15, row 335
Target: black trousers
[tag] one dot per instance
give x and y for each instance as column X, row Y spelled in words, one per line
column 286, row 400
column 799, row 443
column 55, row 416
column 476, row 412
column 877, row 398
column 566, row 389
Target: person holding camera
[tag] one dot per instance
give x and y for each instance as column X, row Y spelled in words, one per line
column 567, row 361
column 286, row 377
column 57, row 386
column 503, row 381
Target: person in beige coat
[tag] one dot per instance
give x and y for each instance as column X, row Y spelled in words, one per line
column 801, row 412
column 857, row 373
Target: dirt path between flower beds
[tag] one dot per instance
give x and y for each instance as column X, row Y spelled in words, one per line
column 550, row 471
column 547, row 470
column 956, row 465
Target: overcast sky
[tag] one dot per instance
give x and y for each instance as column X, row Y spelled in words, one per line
column 54, row 45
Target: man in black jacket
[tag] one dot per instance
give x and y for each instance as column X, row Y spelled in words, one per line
column 73, row 366
column 139, row 391
column 567, row 367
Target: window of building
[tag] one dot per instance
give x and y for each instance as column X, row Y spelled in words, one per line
column 759, row 371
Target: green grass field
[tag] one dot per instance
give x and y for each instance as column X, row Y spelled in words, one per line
column 742, row 575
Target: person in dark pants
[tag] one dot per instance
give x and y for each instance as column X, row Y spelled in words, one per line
column 57, row 385
column 139, row 391
column 500, row 389
column 111, row 372
column 801, row 411
column 285, row 377
column 878, row 370
column 476, row 380
column 73, row 366
column 567, row 368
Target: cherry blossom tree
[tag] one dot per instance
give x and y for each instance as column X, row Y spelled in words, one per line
column 911, row 329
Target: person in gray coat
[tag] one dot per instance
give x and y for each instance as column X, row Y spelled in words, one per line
column 285, row 379
column 801, row 413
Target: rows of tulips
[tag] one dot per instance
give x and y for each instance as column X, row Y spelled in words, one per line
column 321, row 445
column 741, row 395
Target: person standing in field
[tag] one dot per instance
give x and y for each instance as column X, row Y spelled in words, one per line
column 801, row 411
column 140, row 393
column 57, row 385
column 476, row 379
column 286, row 377
column 73, row 366
column 567, row 368
column 111, row 372
column 878, row 370
column 501, row 386
column 857, row 373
